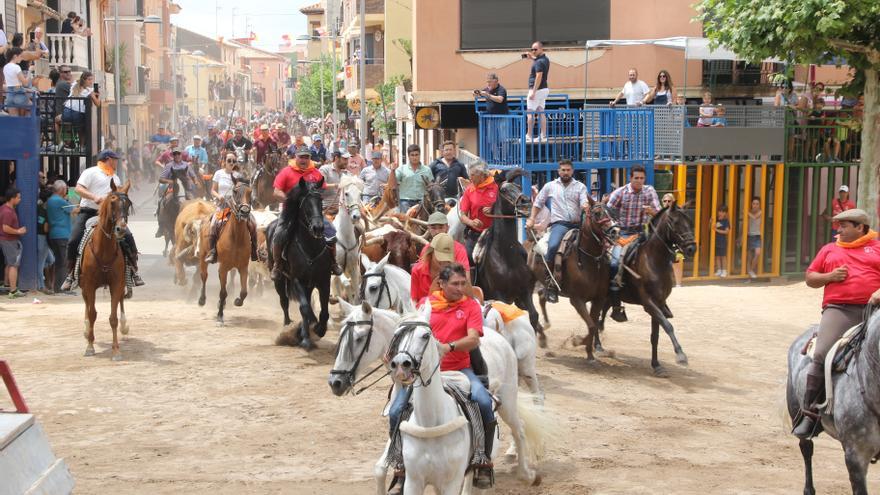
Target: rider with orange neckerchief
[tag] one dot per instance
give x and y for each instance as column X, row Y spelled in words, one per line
column 849, row 271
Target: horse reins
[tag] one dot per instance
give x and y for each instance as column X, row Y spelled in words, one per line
column 416, row 363
column 348, row 329
column 124, row 203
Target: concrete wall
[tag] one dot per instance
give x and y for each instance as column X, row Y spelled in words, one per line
column 398, row 25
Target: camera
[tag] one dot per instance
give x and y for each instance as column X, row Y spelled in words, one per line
column 476, row 92
column 33, row 36
column 524, row 55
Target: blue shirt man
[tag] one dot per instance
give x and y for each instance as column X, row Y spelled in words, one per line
column 196, row 151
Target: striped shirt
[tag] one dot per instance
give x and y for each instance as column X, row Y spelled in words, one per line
column 631, row 205
column 566, row 201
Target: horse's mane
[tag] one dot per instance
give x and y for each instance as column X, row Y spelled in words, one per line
column 349, row 179
column 513, row 174
column 291, row 204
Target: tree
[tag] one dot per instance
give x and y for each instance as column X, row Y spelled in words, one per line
column 812, row 31
column 308, row 96
column 381, row 109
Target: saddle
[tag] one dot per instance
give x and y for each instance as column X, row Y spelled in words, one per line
column 842, row 352
column 77, row 268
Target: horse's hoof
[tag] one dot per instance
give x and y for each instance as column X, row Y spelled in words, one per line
column 591, row 360
column 577, row 341
column 546, row 325
column 89, row 352
column 238, row 301
column 660, row 372
column 681, row 359
column 307, row 345
column 542, row 341
column 537, row 481
column 220, row 322
column 201, row 301
column 604, row 353
column 116, row 357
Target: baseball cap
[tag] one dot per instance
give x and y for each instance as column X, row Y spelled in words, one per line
column 854, row 215
column 264, row 127
column 105, row 154
column 197, row 137
column 303, row 150
column 175, row 152
column 316, row 138
column 843, row 188
column 437, row 218
column 174, row 138
column 442, row 247
column 376, row 154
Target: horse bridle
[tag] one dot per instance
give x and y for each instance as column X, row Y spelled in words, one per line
column 671, row 245
column 383, row 286
column 124, row 205
column 588, row 216
column 238, row 209
column 348, row 330
column 406, row 329
column 516, row 203
column 308, row 223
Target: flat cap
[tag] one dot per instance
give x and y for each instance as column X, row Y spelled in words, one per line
column 854, row 215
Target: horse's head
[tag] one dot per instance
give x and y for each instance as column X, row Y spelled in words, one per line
column 304, row 200
column 115, row 209
column 601, row 221
column 416, row 352
column 511, row 198
column 240, row 200
column 374, row 285
column 675, row 228
column 435, row 196
column 356, row 348
column 350, row 189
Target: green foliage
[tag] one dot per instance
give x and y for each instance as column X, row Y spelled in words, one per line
column 405, row 45
column 805, row 31
column 307, row 97
column 381, row 110
column 123, row 71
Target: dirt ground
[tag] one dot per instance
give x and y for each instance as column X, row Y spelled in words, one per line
column 194, row 408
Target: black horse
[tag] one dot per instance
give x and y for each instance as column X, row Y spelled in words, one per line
column 668, row 232
column 503, row 272
column 306, row 263
column 169, row 208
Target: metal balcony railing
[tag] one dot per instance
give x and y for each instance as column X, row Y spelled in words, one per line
column 828, row 136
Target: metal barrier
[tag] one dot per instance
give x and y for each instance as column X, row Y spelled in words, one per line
column 833, row 136
column 517, row 104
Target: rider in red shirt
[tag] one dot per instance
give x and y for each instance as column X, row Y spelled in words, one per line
column 264, row 144
column 849, row 271
column 475, row 205
column 437, row 255
column 457, row 323
column 298, row 168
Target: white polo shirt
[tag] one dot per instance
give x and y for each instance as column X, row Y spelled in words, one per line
column 98, row 183
column 635, row 93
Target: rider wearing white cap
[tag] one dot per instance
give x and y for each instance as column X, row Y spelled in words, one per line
column 197, row 153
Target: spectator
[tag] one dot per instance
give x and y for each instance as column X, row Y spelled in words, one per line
column 668, row 201
column 707, row 111
column 375, row 178
column 162, row 136
column 754, row 236
column 38, row 44
column 661, row 93
column 356, row 162
column 413, row 179
column 10, row 233
column 785, row 96
column 17, row 82
column 838, row 206
column 80, row 28
column 722, row 229
column 3, row 40
column 319, row 152
column 333, row 173
column 448, row 168
column 634, row 90
column 495, row 95
column 67, row 25
column 75, row 108
column 719, row 120
column 45, row 257
column 538, row 88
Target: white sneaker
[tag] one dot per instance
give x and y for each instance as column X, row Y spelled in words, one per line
column 718, row 273
column 752, row 274
column 529, row 139
column 723, row 273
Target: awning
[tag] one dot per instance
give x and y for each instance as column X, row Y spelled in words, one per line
column 694, row 48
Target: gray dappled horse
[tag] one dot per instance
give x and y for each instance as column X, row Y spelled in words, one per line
column 855, row 405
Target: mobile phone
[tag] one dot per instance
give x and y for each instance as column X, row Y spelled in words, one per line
column 95, row 87
column 33, row 36
column 476, row 91
column 524, row 55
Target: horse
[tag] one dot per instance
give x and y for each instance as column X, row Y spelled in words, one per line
column 436, row 449
column 386, row 286
column 519, row 334
column 233, row 248
column 307, row 265
column 852, row 415
column 348, row 245
column 584, row 274
column 188, row 236
column 264, row 179
column 669, row 230
column 503, row 272
column 433, row 200
column 169, row 208
column 103, row 265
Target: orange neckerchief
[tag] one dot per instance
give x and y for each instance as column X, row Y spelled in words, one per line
column 482, row 185
column 292, row 164
column 861, row 241
column 439, row 302
column 107, row 169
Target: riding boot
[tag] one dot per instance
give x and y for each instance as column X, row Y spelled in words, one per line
column 131, row 259
column 810, row 424
column 158, row 217
column 68, row 281
column 252, row 228
column 618, row 314
column 213, row 235
column 335, row 269
column 275, row 261
column 551, row 294
column 484, row 476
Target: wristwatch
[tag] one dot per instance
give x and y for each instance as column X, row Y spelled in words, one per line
column 452, row 346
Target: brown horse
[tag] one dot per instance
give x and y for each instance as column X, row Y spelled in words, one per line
column 585, row 272
column 264, row 179
column 192, row 220
column 233, row 248
column 648, row 280
column 103, row 265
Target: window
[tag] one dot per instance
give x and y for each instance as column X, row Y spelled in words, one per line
column 494, row 24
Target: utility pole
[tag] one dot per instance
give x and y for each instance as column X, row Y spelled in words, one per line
column 116, row 71
column 362, row 77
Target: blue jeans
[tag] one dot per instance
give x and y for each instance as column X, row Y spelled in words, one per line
column 479, row 394
column 557, row 232
column 44, row 257
column 329, row 231
column 406, row 204
column 615, row 258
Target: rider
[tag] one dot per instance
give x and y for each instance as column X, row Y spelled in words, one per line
column 435, row 256
column 223, row 183
column 282, row 138
column 457, row 323
column 319, row 152
column 333, row 173
column 214, row 144
column 635, row 203
column 197, row 153
column 413, row 179
column 375, row 177
column 240, row 144
column 93, row 186
column 166, row 156
column 298, row 168
column 475, row 205
column 264, row 144
column 567, row 198
column 448, row 168
column 849, row 271
column 356, row 163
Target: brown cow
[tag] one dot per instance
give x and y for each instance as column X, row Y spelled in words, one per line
column 403, row 246
column 193, row 218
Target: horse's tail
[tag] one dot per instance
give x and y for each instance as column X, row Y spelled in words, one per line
column 540, row 428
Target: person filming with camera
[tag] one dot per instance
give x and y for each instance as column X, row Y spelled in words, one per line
column 495, row 95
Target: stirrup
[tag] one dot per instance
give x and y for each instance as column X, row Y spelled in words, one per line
column 618, row 314
column 809, row 426
column 484, row 477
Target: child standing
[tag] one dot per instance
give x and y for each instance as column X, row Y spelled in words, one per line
column 754, row 239
column 722, row 228
column 707, row 111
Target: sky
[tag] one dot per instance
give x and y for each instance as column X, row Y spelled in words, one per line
column 268, row 19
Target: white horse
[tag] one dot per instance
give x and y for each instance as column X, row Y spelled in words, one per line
column 427, row 447
column 386, row 286
column 521, row 336
column 348, row 247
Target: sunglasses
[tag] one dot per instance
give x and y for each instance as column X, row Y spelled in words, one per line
column 65, row 72
column 666, row 202
column 533, row 49
column 230, row 161
column 663, row 76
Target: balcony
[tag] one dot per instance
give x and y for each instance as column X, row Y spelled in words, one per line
column 374, row 76
column 68, row 49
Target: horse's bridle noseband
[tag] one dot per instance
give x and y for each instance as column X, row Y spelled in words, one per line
column 671, row 244
column 406, row 329
column 383, row 287
column 308, row 222
column 348, row 330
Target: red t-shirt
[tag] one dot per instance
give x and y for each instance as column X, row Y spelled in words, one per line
column 420, row 284
column 863, row 264
column 475, row 199
column 10, row 218
column 838, row 207
column 452, row 324
column 288, row 178
column 460, row 256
